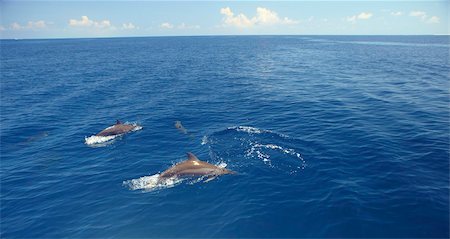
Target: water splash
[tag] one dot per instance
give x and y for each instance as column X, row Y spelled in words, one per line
column 204, row 140
column 151, row 183
column 97, row 140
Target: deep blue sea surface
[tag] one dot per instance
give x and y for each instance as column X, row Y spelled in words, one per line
column 331, row 136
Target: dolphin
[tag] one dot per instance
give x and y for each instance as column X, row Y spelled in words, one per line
column 36, row 137
column 194, row 167
column 180, row 127
column 118, row 128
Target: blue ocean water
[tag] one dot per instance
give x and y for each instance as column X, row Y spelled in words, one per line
column 331, row 136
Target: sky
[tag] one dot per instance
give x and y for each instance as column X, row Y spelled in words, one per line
column 78, row 19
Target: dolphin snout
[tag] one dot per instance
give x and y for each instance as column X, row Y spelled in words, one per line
column 226, row 171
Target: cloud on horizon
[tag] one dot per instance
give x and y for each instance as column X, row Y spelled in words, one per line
column 31, row 25
column 166, row 25
column 424, row 17
column 186, row 26
column 100, row 26
column 361, row 16
column 129, row 26
column 263, row 17
column 182, row 26
column 396, row 14
column 86, row 22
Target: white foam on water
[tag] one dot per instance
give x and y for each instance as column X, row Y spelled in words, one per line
column 253, row 130
column 247, row 129
column 254, row 143
column 221, row 165
column 136, row 127
column 94, row 139
column 153, row 182
column 286, row 151
column 257, row 150
column 204, row 140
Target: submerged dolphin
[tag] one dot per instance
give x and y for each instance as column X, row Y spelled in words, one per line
column 194, row 167
column 180, row 127
column 118, row 128
column 35, row 137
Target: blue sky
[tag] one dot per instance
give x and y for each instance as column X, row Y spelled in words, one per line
column 72, row 19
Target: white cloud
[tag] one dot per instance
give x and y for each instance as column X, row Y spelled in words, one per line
column 351, row 19
column 433, row 19
column 396, row 14
column 226, row 11
column 240, row 20
column 424, row 17
column 288, row 21
column 129, row 26
column 166, row 25
column 86, row 22
column 185, row 26
column 365, row 15
column 16, row 26
column 418, row 14
column 182, row 26
column 361, row 16
column 38, row 24
column 2, row 28
column 30, row 25
column 263, row 17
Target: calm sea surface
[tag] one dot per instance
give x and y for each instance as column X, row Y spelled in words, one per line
column 331, row 136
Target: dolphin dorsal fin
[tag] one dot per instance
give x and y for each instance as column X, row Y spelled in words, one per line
column 191, row 156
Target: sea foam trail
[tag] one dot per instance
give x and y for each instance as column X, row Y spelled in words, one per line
column 95, row 140
column 263, row 152
column 253, row 130
column 274, row 149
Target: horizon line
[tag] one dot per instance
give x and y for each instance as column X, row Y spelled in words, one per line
column 214, row 35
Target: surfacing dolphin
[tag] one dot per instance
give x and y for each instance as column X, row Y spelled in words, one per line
column 194, row 167
column 180, row 127
column 117, row 129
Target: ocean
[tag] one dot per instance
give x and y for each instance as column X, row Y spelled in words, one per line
column 330, row 136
